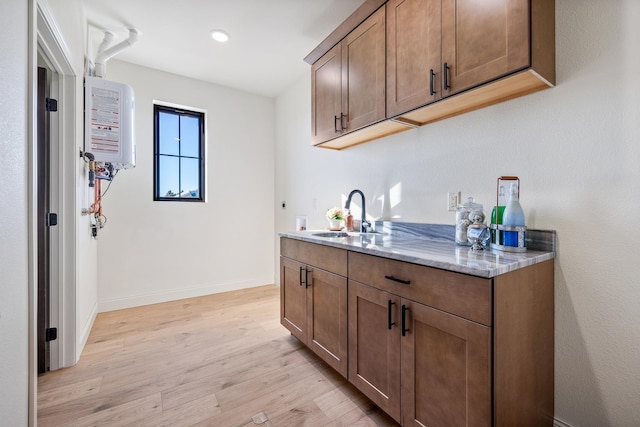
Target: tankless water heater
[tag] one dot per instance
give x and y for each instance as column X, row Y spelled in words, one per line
column 109, row 122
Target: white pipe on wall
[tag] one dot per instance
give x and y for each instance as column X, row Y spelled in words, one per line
column 104, row 53
column 106, row 42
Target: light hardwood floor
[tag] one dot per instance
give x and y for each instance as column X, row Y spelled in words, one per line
column 220, row 360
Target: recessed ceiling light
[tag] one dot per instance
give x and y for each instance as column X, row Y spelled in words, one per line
column 219, row 36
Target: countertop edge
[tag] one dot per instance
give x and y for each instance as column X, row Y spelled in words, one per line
column 481, row 265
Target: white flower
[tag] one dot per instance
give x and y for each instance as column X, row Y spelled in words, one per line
column 335, row 213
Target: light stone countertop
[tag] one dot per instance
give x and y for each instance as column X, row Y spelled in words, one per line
column 436, row 249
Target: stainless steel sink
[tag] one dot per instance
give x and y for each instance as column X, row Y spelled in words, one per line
column 345, row 234
column 332, row 234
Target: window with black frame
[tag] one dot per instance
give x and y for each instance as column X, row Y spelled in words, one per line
column 178, row 154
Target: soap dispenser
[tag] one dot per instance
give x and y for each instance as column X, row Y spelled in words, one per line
column 349, row 220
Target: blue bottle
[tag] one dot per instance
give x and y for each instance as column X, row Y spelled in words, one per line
column 513, row 216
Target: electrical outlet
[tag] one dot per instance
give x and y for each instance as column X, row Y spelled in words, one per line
column 452, row 201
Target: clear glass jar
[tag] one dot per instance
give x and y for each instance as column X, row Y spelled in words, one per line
column 478, row 233
column 463, row 222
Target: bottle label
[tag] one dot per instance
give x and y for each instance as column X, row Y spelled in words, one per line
column 514, row 238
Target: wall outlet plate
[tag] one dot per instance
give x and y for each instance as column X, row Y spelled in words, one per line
column 452, row 201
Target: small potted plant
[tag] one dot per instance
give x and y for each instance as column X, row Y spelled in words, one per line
column 335, row 217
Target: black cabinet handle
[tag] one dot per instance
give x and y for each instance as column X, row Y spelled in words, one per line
column 335, row 122
column 404, row 320
column 395, row 279
column 390, row 323
column 446, row 76
column 432, row 77
column 301, row 281
column 306, row 278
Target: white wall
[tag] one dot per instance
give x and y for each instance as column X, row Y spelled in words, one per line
column 17, row 44
column 14, row 226
column 68, row 18
column 576, row 149
column 157, row 251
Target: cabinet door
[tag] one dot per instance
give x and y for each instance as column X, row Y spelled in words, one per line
column 326, row 96
column 327, row 318
column 483, row 40
column 414, row 73
column 374, row 347
column 446, row 369
column 293, row 298
column 363, row 73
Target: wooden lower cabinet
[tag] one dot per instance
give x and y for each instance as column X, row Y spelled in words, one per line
column 446, row 369
column 374, row 346
column 437, row 373
column 293, row 298
column 313, row 306
column 327, row 314
column 429, row 347
column 439, row 348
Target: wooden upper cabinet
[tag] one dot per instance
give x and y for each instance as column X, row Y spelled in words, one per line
column 437, row 48
column 413, row 54
column 326, row 96
column 492, row 51
column 363, row 73
column 482, row 41
column 442, row 58
column 348, row 82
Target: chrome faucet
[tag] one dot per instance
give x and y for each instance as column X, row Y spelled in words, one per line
column 365, row 226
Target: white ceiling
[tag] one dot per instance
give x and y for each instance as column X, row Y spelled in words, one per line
column 268, row 38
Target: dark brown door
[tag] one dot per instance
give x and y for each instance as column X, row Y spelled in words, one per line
column 374, row 346
column 482, row 41
column 43, row 197
column 446, row 369
column 293, row 297
column 327, row 317
column 363, row 73
column 326, row 97
column 414, row 71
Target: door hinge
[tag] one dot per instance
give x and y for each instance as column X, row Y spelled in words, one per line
column 51, row 334
column 52, row 104
column 52, row 219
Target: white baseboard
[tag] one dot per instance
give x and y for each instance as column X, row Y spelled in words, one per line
column 84, row 335
column 176, row 294
column 558, row 423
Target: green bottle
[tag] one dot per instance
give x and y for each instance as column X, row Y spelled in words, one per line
column 497, row 236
